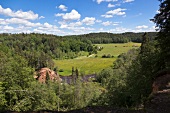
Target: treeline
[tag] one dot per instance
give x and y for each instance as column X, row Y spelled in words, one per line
column 40, row 49
column 99, row 38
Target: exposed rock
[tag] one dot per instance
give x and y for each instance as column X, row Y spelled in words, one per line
column 44, row 73
column 158, row 103
column 159, row 100
column 161, row 82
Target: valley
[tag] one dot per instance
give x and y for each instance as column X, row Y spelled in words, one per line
column 90, row 64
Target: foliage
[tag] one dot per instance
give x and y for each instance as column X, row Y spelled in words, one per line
column 40, row 49
column 162, row 20
column 142, row 71
column 93, row 64
column 22, row 54
column 130, row 82
column 106, row 38
column 2, row 97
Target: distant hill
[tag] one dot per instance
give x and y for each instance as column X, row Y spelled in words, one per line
column 104, row 37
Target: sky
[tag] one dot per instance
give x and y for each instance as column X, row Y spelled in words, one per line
column 74, row 17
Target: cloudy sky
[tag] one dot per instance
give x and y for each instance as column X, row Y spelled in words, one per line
column 70, row 17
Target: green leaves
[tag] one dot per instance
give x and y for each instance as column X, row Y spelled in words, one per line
column 2, row 96
column 162, row 21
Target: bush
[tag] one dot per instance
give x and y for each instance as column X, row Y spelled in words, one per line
column 61, row 70
column 107, row 56
column 104, row 56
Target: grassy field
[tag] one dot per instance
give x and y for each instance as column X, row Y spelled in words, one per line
column 116, row 49
column 90, row 64
column 84, row 65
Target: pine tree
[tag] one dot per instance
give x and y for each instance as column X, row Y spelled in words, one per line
column 162, row 20
column 145, row 43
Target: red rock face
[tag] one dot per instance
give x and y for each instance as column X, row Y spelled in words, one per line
column 44, row 72
column 161, row 83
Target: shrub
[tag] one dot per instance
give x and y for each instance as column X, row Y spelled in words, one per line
column 61, row 70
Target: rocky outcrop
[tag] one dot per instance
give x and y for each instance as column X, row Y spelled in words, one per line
column 159, row 100
column 161, row 82
column 45, row 73
column 158, row 103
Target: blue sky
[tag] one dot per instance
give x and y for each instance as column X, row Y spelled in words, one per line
column 73, row 17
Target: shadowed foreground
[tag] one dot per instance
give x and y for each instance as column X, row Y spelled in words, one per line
column 89, row 110
column 158, row 103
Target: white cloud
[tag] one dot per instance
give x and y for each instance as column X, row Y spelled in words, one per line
column 111, row 13
column 99, row 1
column 75, row 28
column 110, row 5
column 53, row 30
column 101, row 29
column 2, row 21
column 117, row 11
column 73, row 15
column 89, row 20
column 125, row 1
column 98, row 21
column 107, row 23
column 75, row 24
column 62, row 7
column 59, row 14
column 107, row 16
column 41, row 17
column 17, row 25
column 120, row 30
column 47, row 25
column 12, row 29
column 157, row 11
column 116, row 23
column 64, row 25
column 8, row 27
column 19, row 21
column 141, row 27
column 18, row 14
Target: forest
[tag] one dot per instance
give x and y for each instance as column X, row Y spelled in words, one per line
column 127, row 83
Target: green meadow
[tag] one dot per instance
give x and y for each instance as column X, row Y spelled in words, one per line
column 116, row 49
column 92, row 64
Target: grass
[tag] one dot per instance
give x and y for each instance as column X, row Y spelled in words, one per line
column 90, row 65
column 116, row 49
column 84, row 65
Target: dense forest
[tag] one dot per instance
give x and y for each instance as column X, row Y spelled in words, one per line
column 127, row 83
column 40, row 49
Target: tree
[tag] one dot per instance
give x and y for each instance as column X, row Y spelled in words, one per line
column 145, row 43
column 2, row 97
column 142, row 71
column 162, row 20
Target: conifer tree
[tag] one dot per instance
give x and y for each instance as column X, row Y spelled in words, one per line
column 162, row 20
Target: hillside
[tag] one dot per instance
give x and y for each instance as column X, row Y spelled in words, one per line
column 95, row 63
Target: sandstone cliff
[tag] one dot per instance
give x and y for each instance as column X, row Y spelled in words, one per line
column 45, row 73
